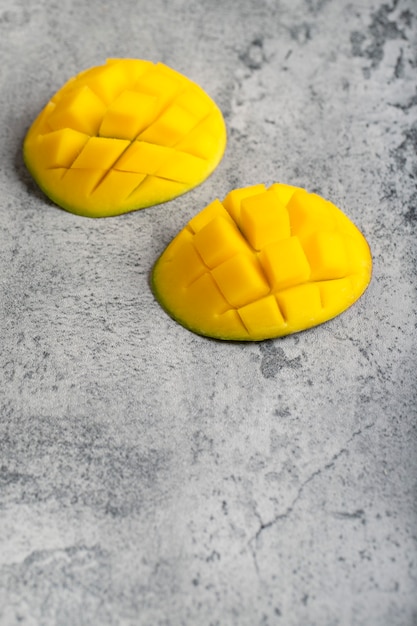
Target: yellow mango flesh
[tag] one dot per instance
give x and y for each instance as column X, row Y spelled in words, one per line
column 124, row 136
column 262, row 263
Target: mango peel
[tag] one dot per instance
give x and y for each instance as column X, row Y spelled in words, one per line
column 123, row 136
column 262, row 263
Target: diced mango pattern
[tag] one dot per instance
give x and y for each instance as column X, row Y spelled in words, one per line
column 123, row 136
column 262, row 263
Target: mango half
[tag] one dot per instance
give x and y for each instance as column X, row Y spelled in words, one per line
column 262, row 263
column 123, row 136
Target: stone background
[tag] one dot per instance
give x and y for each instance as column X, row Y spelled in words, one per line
column 149, row 476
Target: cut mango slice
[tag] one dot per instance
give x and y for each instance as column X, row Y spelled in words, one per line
column 263, row 263
column 124, row 136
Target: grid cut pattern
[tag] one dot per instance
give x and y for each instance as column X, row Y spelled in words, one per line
column 280, row 267
column 142, row 120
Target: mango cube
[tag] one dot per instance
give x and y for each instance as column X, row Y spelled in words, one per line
column 327, row 255
column 63, row 146
column 264, row 219
column 285, row 263
column 262, row 313
column 212, row 210
column 233, row 201
column 241, row 280
column 300, row 304
column 218, row 241
column 99, row 150
column 79, row 110
column 128, row 115
column 262, row 263
column 141, row 131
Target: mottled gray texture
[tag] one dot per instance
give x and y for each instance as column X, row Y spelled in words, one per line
column 149, row 476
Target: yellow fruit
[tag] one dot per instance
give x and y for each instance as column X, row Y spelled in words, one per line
column 123, row 136
column 261, row 264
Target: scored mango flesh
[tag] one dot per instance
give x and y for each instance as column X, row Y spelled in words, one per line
column 123, row 136
column 262, row 264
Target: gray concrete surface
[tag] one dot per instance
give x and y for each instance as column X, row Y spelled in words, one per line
column 149, row 476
